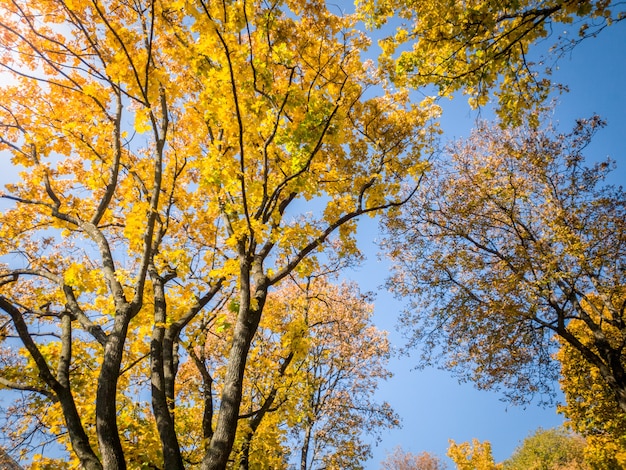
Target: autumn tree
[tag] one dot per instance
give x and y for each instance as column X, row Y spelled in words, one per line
column 475, row 46
column 313, row 370
column 549, row 449
column 472, row 456
column 589, row 405
column 175, row 154
column 346, row 359
column 398, row 459
column 512, row 242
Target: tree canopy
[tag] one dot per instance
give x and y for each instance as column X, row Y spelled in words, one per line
column 590, row 407
column 477, row 46
column 401, row 460
column 549, row 449
column 170, row 151
column 179, row 161
column 472, row 456
column 512, row 242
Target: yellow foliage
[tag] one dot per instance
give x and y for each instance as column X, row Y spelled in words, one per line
column 474, row 456
column 590, row 405
column 180, row 155
column 478, row 46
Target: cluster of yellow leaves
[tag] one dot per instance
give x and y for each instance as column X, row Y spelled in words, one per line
column 474, row 456
column 476, row 46
column 590, row 405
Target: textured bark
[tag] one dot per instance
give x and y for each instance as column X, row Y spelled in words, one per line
column 304, row 454
column 172, row 458
column 248, row 319
column 7, row 463
column 78, row 437
column 207, row 397
column 162, row 401
column 226, row 427
column 106, row 401
column 244, row 458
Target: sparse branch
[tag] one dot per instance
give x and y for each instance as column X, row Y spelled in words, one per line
column 74, row 307
column 28, row 388
column 105, row 18
column 115, row 167
column 320, row 239
column 160, row 134
column 207, row 392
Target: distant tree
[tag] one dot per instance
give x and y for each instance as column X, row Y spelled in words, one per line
column 346, row 358
column 550, row 449
column 503, row 250
column 313, row 369
column 398, row 459
column 474, row 456
column 590, row 405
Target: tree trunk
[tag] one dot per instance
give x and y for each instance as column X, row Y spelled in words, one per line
column 162, row 401
column 248, row 319
column 244, row 458
column 106, row 400
column 304, row 454
column 172, row 458
column 226, row 427
column 78, row 437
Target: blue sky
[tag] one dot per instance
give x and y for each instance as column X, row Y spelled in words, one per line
column 434, row 407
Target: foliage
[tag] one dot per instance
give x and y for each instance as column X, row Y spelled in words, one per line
column 176, row 156
column 504, row 248
column 590, row 405
column 313, row 370
column 401, row 460
column 549, row 449
column 477, row 46
column 474, row 456
column 346, row 359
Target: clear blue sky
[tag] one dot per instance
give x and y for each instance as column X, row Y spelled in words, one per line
column 434, row 407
